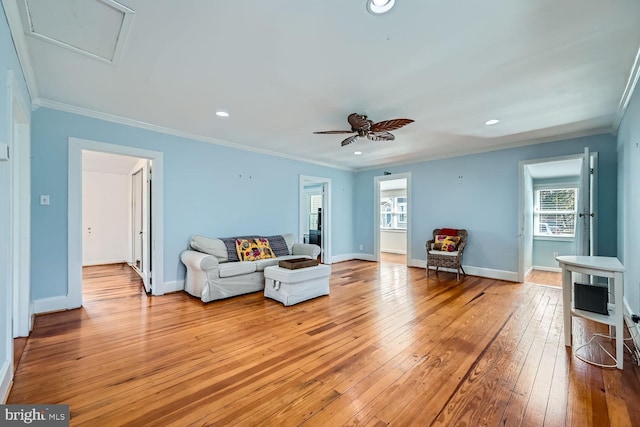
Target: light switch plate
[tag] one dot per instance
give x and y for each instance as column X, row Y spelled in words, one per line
column 44, row 200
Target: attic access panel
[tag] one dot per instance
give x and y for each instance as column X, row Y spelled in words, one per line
column 96, row 28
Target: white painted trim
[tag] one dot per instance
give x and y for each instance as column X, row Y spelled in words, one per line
column 489, row 273
column 634, row 328
column 393, row 251
column 521, row 168
column 634, row 75
column 19, row 41
column 105, row 262
column 450, row 155
column 120, row 41
column 376, row 210
column 47, row 305
column 175, row 286
column 351, row 257
column 54, row 105
column 19, row 139
column 6, row 380
column 544, row 268
column 326, row 209
column 76, row 146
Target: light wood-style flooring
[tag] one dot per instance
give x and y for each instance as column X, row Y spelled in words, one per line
column 387, row 347
column 549, row 278
column 393, row 258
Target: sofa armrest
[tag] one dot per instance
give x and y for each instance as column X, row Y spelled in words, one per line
column 198, row 266
column 306, row 249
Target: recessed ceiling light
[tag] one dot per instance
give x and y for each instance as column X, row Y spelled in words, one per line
column 491, row 122
column 357, row 153
column 379, row 6
column 222, row 114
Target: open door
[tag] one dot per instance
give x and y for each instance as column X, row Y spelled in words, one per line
column 584, row 232
column 141, row 247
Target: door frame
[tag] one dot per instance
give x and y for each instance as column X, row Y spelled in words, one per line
column 143, row 166
column 376, row 212
column 521, row 202
column 74, row 268
column 326, row 212
column 19, row 141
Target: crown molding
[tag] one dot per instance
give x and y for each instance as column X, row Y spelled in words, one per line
column 634, row 75
column 55, row 105
column 535, row 141
column 20, row 44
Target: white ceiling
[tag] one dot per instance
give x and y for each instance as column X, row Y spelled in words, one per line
column 285, row 68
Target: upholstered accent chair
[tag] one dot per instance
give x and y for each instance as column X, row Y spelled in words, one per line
column 446, row 255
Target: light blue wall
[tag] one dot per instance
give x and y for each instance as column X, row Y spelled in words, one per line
column 207, row 190
column 8, row 61
column 480, row 193
column 629, row 200
column 544, row 249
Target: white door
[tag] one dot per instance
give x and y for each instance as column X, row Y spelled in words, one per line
column 141, row 221
column 585, row 212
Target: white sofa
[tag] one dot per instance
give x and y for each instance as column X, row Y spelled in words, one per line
column 213, row 274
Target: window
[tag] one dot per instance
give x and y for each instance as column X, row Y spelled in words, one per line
column 555, row 212
column 393, row 212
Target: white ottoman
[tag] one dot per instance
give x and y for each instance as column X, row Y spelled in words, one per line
column 294, row 286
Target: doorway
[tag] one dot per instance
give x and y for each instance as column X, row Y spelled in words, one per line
column 392, row 229
column 116, row 211
column 556, row 203
column 315, row 214
column 75, row 226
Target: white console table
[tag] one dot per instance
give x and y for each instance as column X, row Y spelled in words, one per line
column 608, row 267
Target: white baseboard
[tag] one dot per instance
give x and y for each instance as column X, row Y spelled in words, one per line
column 46, row 305
column 394, row 251
column 349, row 257
column 489, row 273
column 6, row 379
column 176, row 286
column 634, row 328
column 104, row 262
column 543, row 268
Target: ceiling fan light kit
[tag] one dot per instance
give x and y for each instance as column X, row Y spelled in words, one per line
column 377, row 7
column 365, row 128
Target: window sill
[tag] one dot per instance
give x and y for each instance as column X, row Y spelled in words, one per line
column 555, row 238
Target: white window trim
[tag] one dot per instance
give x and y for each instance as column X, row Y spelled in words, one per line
column 562, row 185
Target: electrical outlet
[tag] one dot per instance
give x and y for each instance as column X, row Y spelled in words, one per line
column 555, row 254
column 361, row 247
column 44, row 200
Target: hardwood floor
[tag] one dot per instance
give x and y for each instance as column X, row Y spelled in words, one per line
column 387, row 347
column 549, row 278
column 393, row 258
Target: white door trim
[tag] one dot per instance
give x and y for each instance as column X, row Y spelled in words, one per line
column 76, row 145
column 376, row 212
column 19, row 140
column 522, row 165
column 326, row 212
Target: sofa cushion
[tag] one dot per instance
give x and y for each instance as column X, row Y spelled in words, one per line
column 215, row 247
column 230, row 269
column 280, row 245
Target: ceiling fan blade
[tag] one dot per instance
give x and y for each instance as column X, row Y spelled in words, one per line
column 381, row 136
column 390, row 125
column 333, row 132
column 349, row 140
column 359, row 122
